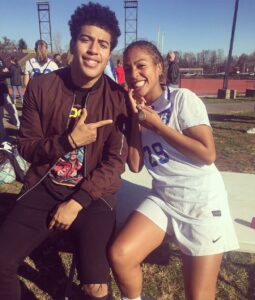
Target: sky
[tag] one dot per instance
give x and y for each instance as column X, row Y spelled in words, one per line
column 182, row 25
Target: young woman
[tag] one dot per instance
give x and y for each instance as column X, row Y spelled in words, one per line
column 172, row 136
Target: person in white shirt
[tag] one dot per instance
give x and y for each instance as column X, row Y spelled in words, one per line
column 172, row 137
column 40, row 64
column 110, row 69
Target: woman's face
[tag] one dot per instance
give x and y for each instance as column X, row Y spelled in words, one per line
column 142, row 74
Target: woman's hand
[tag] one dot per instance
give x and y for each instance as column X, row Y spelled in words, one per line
column 136, row 101
column 149, row 118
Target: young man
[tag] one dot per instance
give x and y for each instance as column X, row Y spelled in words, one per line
column 40, row 64
column 72, row 134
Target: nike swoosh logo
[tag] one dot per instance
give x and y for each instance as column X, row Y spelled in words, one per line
column 216, row 240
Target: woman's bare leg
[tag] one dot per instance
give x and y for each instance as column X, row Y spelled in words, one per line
column 137, row 239
column 200, row 276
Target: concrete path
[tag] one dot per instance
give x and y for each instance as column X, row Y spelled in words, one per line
column 241, row 193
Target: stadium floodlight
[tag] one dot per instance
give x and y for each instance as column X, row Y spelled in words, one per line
column 131, row 16
column 43, row 8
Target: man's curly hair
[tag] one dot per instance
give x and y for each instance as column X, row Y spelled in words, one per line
column 97, row 15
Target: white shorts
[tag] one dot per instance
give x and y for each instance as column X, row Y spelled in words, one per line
column 212, row 237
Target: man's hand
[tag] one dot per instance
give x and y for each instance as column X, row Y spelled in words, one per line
column 84, row 134
column 65, row 214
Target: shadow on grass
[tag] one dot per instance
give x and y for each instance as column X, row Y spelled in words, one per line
column 48, row 270
column 231, row 118
column 250, row 269
column 232, row 284
column 48, row 273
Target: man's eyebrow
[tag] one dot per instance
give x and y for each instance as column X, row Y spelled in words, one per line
column 104, row 41
column 91, row 37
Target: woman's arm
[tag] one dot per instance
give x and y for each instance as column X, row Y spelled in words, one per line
column 195, row 142
column 135, row 152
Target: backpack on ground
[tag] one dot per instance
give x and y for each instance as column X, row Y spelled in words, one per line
column 7, row 172
column 12, row 164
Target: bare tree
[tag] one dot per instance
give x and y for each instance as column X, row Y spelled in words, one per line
column 7, row 45
column 213, row 62
column 220, row 60
column 57, row 47
column 243, row 62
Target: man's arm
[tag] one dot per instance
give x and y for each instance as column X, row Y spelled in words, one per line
column 26, row 79
column 33, row 145
column 27, row 70
column 38, row 148
column 105, row 180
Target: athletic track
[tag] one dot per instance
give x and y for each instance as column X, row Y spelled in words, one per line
column 211, row 86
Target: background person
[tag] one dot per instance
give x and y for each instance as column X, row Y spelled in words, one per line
column 16, row 79
column 40, row 64
column 6, row 101
column 72, row 110
column 172, row 136
column 120, row 75
column 173, row 72
column 69, row 58
column 110, row 69
column 58, row 60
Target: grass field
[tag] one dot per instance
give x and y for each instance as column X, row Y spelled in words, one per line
column 43, row 275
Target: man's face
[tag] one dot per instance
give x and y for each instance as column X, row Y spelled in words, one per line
column 91, row 51
column 171, row 56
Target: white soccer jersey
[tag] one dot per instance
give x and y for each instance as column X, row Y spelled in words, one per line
column 32, row 67
column 178, row 179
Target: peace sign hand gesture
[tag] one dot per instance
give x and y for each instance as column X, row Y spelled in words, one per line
column 84, row 134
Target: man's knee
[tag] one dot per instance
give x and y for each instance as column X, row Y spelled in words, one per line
column 96, row 290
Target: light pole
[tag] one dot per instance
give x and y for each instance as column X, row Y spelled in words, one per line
column 225, row 83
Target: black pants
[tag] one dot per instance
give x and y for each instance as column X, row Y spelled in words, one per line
column 26, row 227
